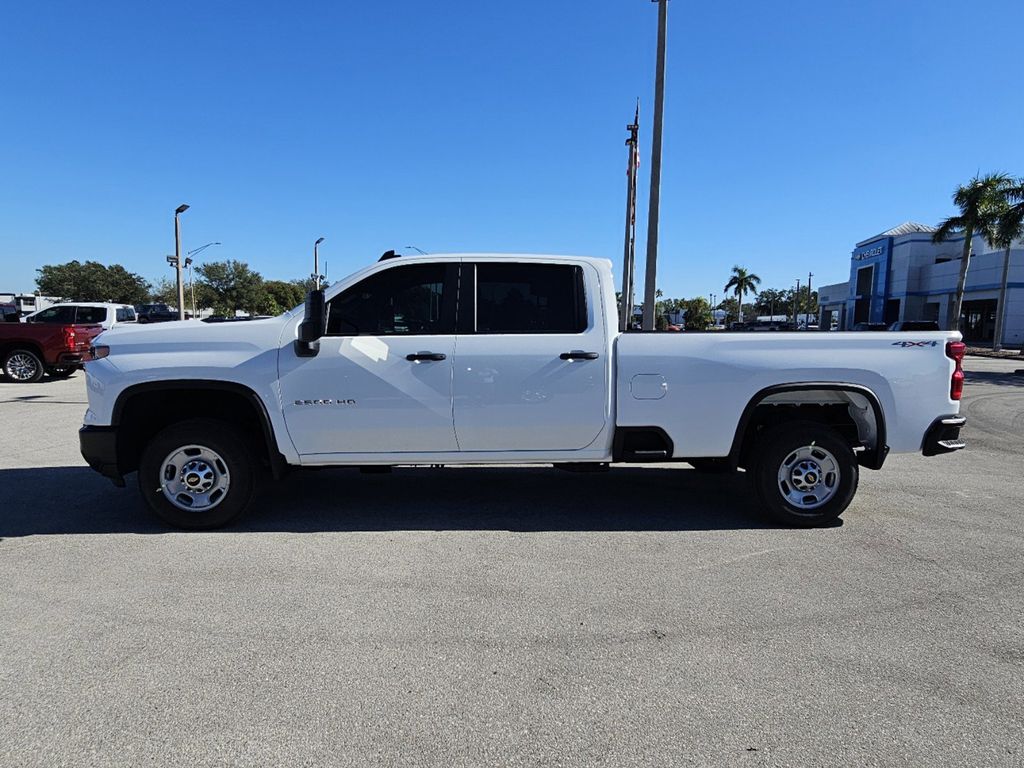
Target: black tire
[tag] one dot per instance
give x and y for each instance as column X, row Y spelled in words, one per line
column 60, row 373
column 822, row 449
column 711, row 466
column 23, row 366
column 237, row 467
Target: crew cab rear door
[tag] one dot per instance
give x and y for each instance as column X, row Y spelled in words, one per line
column 531, row 360
column 382, row 379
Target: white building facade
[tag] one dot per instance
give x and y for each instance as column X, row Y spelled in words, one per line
column 902, row 275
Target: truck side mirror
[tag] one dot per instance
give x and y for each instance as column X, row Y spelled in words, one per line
column 313, row 325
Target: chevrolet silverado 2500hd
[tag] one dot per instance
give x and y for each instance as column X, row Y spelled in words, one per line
column 472, row 359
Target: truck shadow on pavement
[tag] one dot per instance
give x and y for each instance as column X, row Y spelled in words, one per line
column 74, row 500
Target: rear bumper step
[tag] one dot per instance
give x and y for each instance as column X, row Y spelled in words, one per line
column 943, row 436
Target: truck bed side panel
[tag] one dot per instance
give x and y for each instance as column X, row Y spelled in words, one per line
column 707, row 379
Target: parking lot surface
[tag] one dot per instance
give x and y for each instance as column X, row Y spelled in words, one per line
column 646, row 616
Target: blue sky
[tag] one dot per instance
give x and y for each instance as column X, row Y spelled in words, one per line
column 792, row 129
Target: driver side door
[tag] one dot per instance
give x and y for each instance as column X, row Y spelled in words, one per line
column 382, row 379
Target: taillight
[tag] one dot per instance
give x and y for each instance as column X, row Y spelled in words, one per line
column 955, row 351
column 69, row 338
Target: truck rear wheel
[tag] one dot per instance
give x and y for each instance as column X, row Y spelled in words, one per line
column 197, row 474
column 805, row 473
column 23, row 366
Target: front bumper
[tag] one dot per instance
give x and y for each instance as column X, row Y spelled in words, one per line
column 943, row 436
column 99, row 449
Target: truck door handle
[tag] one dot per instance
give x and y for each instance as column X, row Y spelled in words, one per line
column 578, row 354
column 435, row 356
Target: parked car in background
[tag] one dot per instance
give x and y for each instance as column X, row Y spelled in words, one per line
column 235, row 319
column 29, row 350
column 156, row 313
column 9, row 313
column 870, row 327
column 85, row 313
column 915, row 325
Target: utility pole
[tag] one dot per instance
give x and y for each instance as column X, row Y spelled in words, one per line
column 796, row 305
column 177, row 259
column 654, row 202
column 629, row 246
column 810, row 303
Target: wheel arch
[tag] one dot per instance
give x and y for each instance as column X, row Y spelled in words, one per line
column 753, row 416
column 7, row 347
column 225, row 400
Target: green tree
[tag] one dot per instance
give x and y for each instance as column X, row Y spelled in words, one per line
column 164, row 291
column 980, row 201
column 1009, row 227
column 233, row 286
column 772, row 301
column 281, row 296
column 306, row 285
column 731, row 307
column 741, row 283
column 91, row 281
column 698, row 314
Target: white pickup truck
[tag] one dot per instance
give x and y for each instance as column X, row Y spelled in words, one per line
column 483, row 359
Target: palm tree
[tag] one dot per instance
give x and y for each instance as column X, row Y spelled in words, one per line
column 742, row 283
column 1010, row 227
column 980, row 202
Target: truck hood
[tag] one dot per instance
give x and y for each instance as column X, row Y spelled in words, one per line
column 196, row 348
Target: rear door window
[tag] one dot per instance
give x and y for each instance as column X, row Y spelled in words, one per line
column 529, row 298
column 91, row 315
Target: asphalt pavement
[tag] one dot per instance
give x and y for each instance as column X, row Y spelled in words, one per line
column 514, row 616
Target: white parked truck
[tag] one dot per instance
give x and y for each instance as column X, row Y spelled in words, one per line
column 483, row 359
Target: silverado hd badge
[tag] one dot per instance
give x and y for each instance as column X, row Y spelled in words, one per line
column 325, row 402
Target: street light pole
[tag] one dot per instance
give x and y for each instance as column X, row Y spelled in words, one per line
column 316, row 263
column 177, row 259
column 654, row 201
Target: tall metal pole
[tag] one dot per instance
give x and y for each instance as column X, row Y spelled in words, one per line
column 809, row 297
column 629, row 245
column 192, row 287
column 654, row 202
column 796, row 305
column 177, row 259
column 316, row 263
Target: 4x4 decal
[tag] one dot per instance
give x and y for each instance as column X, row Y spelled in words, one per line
column 906, row 344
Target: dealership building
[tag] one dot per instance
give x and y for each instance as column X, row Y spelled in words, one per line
column 902, row 275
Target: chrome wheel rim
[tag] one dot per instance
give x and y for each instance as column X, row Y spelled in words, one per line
column 194, row 478
column 809, row 477
column 21, row 366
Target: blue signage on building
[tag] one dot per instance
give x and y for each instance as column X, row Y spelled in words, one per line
column 869, row 281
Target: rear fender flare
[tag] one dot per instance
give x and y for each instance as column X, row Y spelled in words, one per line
column 872, row 458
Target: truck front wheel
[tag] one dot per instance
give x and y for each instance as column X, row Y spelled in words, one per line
column 197, row 474
column 805, row 473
